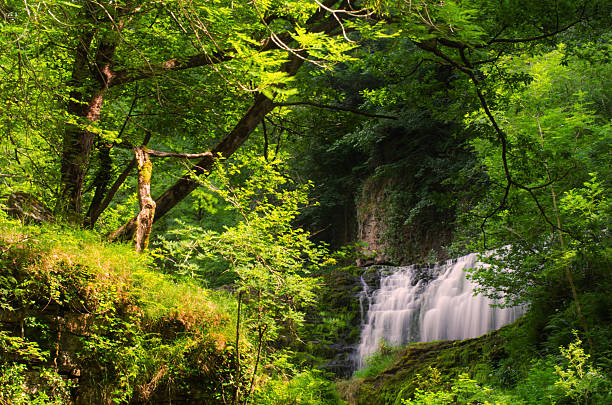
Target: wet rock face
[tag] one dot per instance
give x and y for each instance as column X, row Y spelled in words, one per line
column 27, row 208
column 341, row 299
column 370, row 224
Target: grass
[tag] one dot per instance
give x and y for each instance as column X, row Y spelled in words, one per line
column 148, row 335
column 52, row 249
column 383, row 359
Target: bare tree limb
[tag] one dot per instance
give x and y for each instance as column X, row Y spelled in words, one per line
column 157, row 153
column 162, row 154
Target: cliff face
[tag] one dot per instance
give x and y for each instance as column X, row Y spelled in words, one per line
column 388, row 237
column 371, row 223
column 86, row 323
column 406, row 208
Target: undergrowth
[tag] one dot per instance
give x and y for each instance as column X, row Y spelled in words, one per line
column 487, row 370
column 384, row 358
column 80, row 316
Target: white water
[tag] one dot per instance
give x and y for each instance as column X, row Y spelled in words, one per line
column 408, row 308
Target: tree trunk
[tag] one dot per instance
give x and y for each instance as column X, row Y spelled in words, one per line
column 144, row 220
column 72, row 171
column 228, row 145
column 101, row 182
column 85, row 106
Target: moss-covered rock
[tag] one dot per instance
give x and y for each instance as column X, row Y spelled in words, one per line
column 333, row 327
column 410, row 372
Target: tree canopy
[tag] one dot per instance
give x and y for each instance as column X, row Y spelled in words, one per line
column 269, row 139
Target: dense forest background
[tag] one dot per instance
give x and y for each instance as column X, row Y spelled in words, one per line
column 191, row 190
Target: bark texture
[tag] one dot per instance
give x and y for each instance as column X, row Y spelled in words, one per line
column 73, row 162
column 85, row 107
column 100, row 182
column 144, row 219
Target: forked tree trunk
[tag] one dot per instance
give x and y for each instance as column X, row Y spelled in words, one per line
column 144, row 220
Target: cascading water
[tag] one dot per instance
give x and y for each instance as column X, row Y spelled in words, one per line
column 429, row 304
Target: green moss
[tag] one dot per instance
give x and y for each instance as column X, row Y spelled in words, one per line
column 414, row 368
column 146, row 171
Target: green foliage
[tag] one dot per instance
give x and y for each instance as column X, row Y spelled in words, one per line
column 23, row 385
column 538, row 384
column 258, row 253
column 183, row 70
column 312, row 387
column 579, row 380
column 463, row 390
column 261, row 253
column 559, row 216
column 143, row 335
column 588, row 211
column 48, row 389
column 18, row 346
column 375, row 364
column 429, row 366
column 406, row 177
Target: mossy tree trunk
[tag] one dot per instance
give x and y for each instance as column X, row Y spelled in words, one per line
column 144, row 220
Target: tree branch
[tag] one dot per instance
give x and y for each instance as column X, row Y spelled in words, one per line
column 334, row 107
column 431, row 46
column 157, row 153
column 537, row 37
column 162, row 154
column 171, row 65
column 183, row 63
column 261, row 106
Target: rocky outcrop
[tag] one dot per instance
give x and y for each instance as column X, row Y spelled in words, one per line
column 400, row 381
column 371, row 223
column 396, row 227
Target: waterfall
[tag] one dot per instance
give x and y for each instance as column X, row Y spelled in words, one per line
column 426, row 304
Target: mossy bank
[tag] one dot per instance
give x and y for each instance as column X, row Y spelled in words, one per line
column 86, row 322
